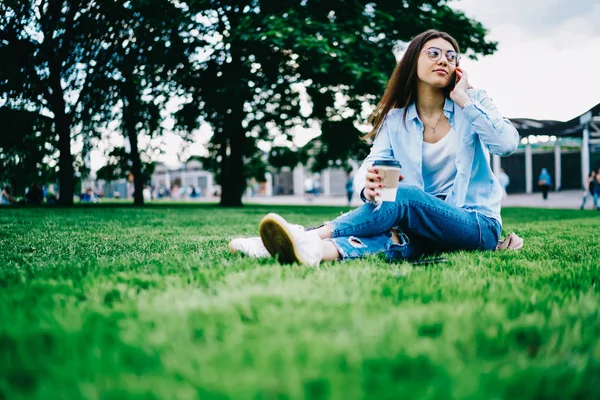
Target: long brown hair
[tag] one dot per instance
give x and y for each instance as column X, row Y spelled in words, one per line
column 401, row 89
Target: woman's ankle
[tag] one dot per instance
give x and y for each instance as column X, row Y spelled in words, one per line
column 324, row 232
column 330, row 252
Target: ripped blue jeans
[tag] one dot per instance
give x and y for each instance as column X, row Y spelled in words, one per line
column 426, row 225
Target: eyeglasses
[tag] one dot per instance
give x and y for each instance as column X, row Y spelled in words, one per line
column 435, row 54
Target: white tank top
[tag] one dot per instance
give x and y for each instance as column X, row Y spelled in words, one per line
column 439, row 167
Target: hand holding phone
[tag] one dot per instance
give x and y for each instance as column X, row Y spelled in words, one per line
column 461, row 84
column 459, row 93
column 459, row 74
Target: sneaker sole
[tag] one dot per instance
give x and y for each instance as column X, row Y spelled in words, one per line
column 278, row 240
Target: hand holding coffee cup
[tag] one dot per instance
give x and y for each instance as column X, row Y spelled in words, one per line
column 382, row 180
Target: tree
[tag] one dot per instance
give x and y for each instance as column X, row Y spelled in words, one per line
column 283, row 156
column 26, row 149
column 134, row 77
column 51, row 46
column 118, row 165
column 327, row 150
column 257, row 52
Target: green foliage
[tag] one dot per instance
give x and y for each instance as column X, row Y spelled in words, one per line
column 51, row 46
column 254, row 165
column 338, row 143
column 283, row 156
column 124, row 302
column 142, row 52
column 118, row 165
column 89, row 64
column 26, row 149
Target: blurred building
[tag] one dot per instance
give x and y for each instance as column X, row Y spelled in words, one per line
column 329, row 182
column 182, row 182
column 189, row 175
column 567, row 149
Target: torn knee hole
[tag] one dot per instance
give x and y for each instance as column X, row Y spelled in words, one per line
column 356, row 243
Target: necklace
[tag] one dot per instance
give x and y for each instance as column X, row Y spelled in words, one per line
column 437, row 122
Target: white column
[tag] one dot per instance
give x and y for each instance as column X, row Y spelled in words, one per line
column 326, row 182
column 528, row 169
column 585, row 155
column 496, row 164
column 210, row 184
column 168, row 179
column 298, row 176
column 557, row 166
column 269, row 184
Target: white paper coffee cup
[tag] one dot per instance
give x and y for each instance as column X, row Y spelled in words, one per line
column 389, row 170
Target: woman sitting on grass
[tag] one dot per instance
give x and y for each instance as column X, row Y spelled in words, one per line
column 441, row 131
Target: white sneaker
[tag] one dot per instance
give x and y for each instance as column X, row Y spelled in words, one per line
column 252, row 247
column 290, row 242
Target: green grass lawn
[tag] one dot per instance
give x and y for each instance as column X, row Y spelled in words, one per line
column 121, row 302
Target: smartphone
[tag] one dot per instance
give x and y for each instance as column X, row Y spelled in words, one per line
column 453, row 81
column 430, row 261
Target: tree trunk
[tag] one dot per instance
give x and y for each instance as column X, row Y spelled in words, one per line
column 136, row 169
column 62, row 126
column 65, row 161
column 233, row 179
column 233, row 174
column 130, row 113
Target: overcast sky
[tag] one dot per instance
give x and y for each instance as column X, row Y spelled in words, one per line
column 548, row 61
column 547, row 65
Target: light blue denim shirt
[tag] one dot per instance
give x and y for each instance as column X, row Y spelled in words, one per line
column 481, row 130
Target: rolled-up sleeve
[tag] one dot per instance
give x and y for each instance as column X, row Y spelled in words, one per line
column 495, row 131
column 381, row 149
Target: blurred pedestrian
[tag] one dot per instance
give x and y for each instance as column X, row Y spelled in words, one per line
column 597, row 186
column 309, row 188
column 591, row 190
column 317, row 188
column 544, row 182
column 349, row 189
column 6, row 196
column 89, row 196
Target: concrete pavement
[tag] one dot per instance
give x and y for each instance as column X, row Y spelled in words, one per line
column 565, row 199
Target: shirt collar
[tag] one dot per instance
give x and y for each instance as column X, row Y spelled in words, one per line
column 412, row 109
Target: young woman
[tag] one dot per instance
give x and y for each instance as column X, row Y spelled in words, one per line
column 442, row 132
